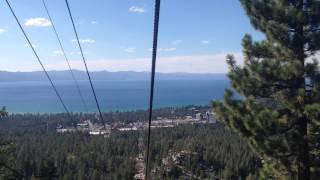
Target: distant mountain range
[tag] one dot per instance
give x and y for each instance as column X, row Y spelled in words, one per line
column 6, row 76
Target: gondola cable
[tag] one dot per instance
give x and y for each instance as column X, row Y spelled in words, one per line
column 65, row 56
column 85, row 64
column 39, row 60
column 153, row 68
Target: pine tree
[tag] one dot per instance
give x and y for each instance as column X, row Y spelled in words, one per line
column 3, row 112
column 278, row 110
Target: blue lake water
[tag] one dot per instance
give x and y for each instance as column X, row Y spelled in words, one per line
column 38, row 96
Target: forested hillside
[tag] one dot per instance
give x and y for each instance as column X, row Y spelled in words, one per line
column 32, row 147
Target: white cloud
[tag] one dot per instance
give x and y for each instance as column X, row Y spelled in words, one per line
column 38, row 21
column 33, row 45
column 211, row 63
column 176, row 42
column 74, row 52
column 2, row 30
column 57, row 53
column 77, row 52
column 167, row 49
column 205, row 41
column 94, row 22
column 130, row 50
column 89, row 41
column 164, row 49
column 137, row 9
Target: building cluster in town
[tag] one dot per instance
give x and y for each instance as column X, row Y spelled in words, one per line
column 159, row 122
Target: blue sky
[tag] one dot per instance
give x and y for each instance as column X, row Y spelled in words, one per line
column 194, row 36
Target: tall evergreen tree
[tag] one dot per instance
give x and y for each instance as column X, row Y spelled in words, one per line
column 279, row 109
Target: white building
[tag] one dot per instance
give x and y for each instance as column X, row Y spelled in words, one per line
column 128, row 129
column 211, row 118
column 199, row 116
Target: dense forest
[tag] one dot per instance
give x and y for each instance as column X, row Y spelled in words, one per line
column 31, row 146
column 204, row 152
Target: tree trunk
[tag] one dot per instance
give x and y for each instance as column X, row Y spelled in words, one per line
column 303, row 156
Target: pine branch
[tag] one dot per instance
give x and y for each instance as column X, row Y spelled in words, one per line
column 288, row 129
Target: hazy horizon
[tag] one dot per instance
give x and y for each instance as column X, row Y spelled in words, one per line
column 77, row 70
